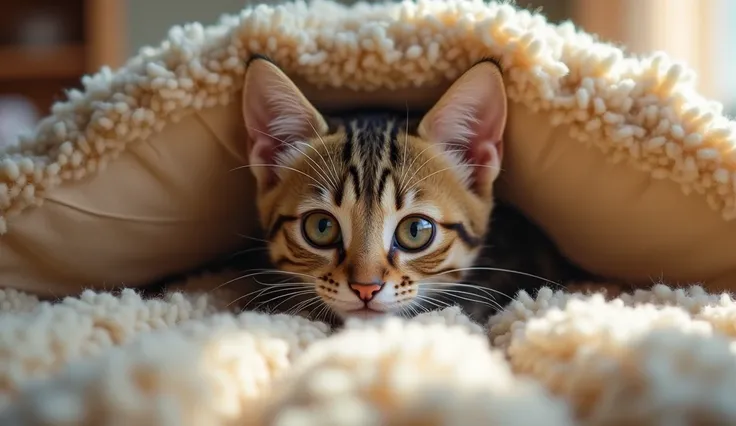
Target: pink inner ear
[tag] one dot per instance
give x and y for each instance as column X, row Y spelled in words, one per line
column 479, row 154
column 487, row 156
column 262, row 158
column 484, row 151
column 477, row 123
column 264, row 150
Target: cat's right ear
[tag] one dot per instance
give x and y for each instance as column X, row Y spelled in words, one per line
column 277, row 117
column 469, row 119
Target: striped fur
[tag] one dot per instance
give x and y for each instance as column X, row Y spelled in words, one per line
column 369, row 171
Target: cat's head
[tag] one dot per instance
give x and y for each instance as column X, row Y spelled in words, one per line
column 373, row 211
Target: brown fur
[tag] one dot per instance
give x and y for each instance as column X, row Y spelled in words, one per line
column 370, row 171
column 366, row 257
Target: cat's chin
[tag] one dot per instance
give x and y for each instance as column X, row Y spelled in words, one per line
column 365, row 313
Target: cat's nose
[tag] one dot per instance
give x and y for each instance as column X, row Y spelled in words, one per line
column 366, row 292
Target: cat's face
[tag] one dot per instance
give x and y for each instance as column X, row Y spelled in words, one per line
column 373, row 211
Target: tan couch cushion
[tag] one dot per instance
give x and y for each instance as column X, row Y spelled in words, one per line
column 165, row 205
column 169, row 128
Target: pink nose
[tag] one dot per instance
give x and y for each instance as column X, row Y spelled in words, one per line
column 366, row 292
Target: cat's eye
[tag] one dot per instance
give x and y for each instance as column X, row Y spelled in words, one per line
column 414, row 233
column 321, row 229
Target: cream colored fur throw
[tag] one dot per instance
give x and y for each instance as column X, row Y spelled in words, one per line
column 646, row 111
column 659, row 357
column 663, row 356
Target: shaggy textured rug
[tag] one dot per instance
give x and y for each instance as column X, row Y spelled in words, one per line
column 662, row 356
column 659, row 357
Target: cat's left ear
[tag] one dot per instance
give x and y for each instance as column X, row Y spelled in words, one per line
column 278, row 117
column 471, row 117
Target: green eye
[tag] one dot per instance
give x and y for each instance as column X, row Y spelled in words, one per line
column 414, row 233
column 321, row 229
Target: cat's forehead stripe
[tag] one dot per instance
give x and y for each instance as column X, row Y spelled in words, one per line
column 382, row 183
column 347, row 150
column 355, row 178
column 394, row 141
column 370, row 142
column 371, row 159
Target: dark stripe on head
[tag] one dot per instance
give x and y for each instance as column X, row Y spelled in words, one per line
column 347, row 149
column 399, row 197
column 353, row 171
column 461, row 232
column 279, row 223
column 372, row 142
column 382, row 184
column 394, row 145
column 339, row 193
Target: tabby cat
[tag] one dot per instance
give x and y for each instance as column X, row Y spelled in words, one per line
column 384, row 214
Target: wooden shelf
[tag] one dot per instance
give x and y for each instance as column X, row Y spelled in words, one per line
column 27, row 62
column 46, row 46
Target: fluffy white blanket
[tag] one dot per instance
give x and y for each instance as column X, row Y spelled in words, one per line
column 659, row 357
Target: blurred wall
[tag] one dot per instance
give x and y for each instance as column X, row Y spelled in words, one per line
column 150, row 20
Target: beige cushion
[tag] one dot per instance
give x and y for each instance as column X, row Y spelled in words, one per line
column 612, row 218
column 167, row 204
column 168, row 199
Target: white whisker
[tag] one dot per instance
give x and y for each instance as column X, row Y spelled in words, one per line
column 332, row 162
column 418, row 169
column 258, row 272
column 403, row 312
column 242, row 277
column 510, row 271
column 476, row 298
column 300, row 293
column 272, row 288
column 288, row 296
column 322, row 311
column 279, row 287
column 436, row 302
column 259, row 240
column 246, row 251
column 323, row 174
column 450, row 293
column 333, row 316
column 304, row 305
column 450, row 168
column 279, row 166
column 401, row 185
column 488, row 291
column 413, row 309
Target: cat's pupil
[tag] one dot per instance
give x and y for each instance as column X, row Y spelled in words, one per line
column 417, row 226
column 323, row 225
column 414, row 229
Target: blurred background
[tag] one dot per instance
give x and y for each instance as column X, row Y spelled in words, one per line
column 47, row 45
